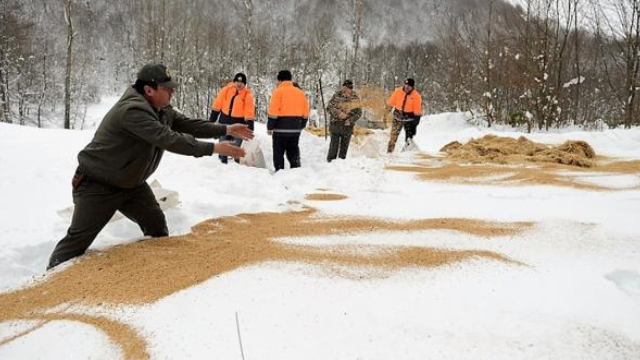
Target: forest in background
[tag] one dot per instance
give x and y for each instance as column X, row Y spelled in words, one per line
column 530, row 63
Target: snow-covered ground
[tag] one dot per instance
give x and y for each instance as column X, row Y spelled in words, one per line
column 578, row 297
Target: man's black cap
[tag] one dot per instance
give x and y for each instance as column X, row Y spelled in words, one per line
column 240, row 77
column 284, row 75
column 348, row 83
column 157, row 74
column 410, row 82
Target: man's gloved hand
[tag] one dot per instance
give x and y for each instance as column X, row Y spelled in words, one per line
column 240, row 131
column 228, row 148
column 251, row 125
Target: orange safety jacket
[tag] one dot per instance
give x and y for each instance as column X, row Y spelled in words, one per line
column 407, row 105
column 233, row 106
column 288, row 110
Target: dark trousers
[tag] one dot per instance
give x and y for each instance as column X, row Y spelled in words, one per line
column 410, row 129
column 95, row 204
column 338, row 142
column 238, row 142
column 286, row 145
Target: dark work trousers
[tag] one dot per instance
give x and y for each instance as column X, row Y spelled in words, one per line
column 338, row 142
column 286, row 145
column 410, row 128
column 95, row 204
column 238, row 143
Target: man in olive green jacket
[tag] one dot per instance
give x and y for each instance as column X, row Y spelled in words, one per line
column 126, row 150
column 345, row 109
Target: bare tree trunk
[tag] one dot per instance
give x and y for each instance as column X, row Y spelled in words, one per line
column 25, row 73
column 343, row 74
column 560, row 46
column 43, row 93
column 84, row 117
column 163, row 28
column 4, row 69
column 248, row 35
column 20, row 91
column 67, row 79
column 45, row 53
column 4, row 94
column 578, row 99
column 633, row 63
column 488, row 79
column 528, row 55
column 181, row 60
column 356, row 33
column 78, row 93
column 151, row 31
column 543, row 100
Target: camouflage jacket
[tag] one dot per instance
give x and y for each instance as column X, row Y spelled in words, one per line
column 349, row 105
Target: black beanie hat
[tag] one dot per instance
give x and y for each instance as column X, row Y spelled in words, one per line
column 284, row 75
column 410, row 82
column 240, row 77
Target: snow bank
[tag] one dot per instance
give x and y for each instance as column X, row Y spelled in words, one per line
column 574, row 297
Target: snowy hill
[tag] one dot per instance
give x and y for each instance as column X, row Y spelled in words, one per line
column 556, row 275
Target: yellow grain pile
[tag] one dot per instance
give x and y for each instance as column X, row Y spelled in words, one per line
column 504, row 150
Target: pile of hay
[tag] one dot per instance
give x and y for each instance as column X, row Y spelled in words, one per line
column 504, row 150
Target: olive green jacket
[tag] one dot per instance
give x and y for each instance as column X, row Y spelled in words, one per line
column 129, row 143
column 350, row 105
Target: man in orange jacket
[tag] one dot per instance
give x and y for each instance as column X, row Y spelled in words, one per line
column 234, row 105
column 288, row 115
column 407, row 105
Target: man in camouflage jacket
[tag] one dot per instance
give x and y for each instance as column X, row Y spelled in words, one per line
column 344, row 109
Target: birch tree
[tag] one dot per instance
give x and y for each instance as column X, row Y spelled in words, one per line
column 68, row 7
